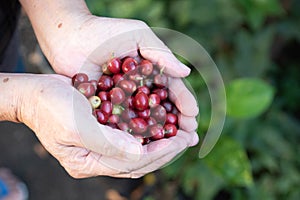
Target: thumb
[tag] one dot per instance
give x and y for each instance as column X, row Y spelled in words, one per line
column 153, row 49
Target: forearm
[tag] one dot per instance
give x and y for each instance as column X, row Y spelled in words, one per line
column 51, row 19
column 12, row 88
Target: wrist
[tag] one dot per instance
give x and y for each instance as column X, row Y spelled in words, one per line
column 54, row 22
column 14, row 91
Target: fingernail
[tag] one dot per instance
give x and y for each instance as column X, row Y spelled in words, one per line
column 195, row 140
column 185, row 70
column 133, row 152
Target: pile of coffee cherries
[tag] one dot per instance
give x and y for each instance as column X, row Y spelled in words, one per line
column 131, row 95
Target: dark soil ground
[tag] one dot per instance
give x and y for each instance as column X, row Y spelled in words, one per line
column 21, row 152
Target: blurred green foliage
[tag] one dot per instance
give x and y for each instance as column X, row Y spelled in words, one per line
column 255, row 44
column 248, row 97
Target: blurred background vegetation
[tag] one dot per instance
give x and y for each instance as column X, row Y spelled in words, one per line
column 255, row 44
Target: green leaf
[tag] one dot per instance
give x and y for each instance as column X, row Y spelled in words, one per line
column 248, row 97
column 229, row 160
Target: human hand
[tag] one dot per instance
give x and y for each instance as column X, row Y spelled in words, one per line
column 124, row 37
column 80, row 42
column 92, row 40
column 75, row 41
column 62, row 119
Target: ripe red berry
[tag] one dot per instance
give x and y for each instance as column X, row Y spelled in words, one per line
column 105, row 83
column 144, row 111
column 104, row 96
column 124, row 126
column 101, row 116
column 143, row 89
column 145, row 114
column 156, row 132
column 114, row 65
column 138, row 125
column 171, row 119
column 127, row 103
column 94, row 83
column 117, row 78
column 160, row 80
column 128, row 114
column 170, row 130
column 117, row 95
column 146, row 67
column 150, row 121
column 162, row 93
column 154, row 100
column 128, row 86
column 79, row 78
column 129, row 65
column 87, row 89
column 141, row 101
column 106, row 107
column 114, row 119
column 159, row 114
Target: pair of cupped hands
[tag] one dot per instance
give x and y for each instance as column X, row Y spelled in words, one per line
column 62, row 118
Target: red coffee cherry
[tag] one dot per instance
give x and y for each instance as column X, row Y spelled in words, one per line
column 132, row 95
column 117, row 95
column 129, row 65
column 156, row 132
column 128, row 86
column 138, row 125
column 106, row 107
column 114, row 65
column 170, row 130
column 154, row 100
column 171, row 119
column 141, row 101
column 146, row 67
column 105, row 83
column 79, row 78
column 87, row 89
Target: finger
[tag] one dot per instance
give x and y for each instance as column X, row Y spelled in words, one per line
column 180, row 142
column 153, row 49
column 163, row 58
column 82, row 163
column 103, row 139
column 187, row 123
column 182, row 97
column 156, row 154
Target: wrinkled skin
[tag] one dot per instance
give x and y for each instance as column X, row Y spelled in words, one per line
column 75, row 41
column 86, row 148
